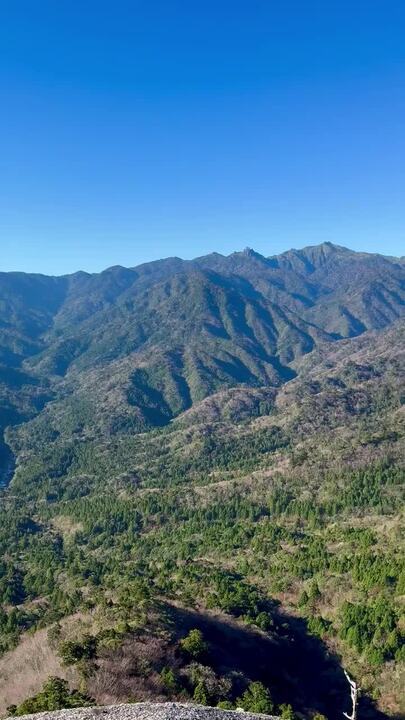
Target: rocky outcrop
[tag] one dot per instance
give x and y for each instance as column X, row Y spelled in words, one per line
column 149, row 711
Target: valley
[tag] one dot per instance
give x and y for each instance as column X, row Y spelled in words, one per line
column 217, row 446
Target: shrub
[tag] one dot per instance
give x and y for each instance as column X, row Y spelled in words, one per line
column 200, row 695
column 55, row 695
column 169, row 680
column 287, row 712
column 194, row 644
column 72, row 652
column 256, row 699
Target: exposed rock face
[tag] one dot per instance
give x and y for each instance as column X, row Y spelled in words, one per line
column 149, row 711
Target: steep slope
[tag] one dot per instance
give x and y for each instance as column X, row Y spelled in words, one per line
column 214, row 445
column 277, row 507
column 148, row 343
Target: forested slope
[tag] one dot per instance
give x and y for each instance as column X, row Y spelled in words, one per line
column 211, row 446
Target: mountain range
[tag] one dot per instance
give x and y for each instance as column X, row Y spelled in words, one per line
column 163, row 336
column 215, row 444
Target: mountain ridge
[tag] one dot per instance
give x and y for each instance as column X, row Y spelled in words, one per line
column 321, row 249
column 171, row 332
column 212, row 447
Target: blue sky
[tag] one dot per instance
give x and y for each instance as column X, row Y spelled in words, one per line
column 133, row 130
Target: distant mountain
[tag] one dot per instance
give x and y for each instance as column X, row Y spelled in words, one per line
column 158, row 338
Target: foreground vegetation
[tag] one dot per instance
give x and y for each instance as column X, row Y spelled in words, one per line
column 310, row 558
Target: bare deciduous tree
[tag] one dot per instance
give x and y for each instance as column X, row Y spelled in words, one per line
column 354, row 692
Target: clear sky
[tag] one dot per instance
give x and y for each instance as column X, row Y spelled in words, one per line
column 136, row 129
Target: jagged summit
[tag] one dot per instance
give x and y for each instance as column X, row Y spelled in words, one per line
column 249, row 252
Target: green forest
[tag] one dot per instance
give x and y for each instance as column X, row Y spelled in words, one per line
column 213, row 518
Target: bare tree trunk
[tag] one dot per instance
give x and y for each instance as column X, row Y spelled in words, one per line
column 354, row 692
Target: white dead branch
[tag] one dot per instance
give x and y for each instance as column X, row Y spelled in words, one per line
column 354, row 692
